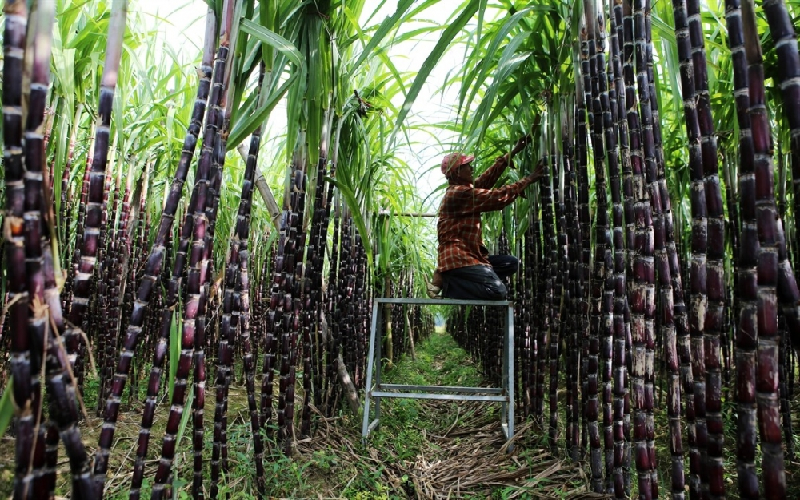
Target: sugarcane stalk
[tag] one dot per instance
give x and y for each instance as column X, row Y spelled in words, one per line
column 614, row 477
column 698, row 305
column 150, row 280
column 94, row 205
column 242, row 232
column 712, row 480
column 18, row 302
column 783, row 34
column 194, row 307
column 766, row 375
column 38, row 56
column 600, row 116
column 549, row 236
column 46, row 323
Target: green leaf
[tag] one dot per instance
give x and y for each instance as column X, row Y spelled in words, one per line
column 358, row 216
column 387, row 25
column 174, row 348
column 433, row 58
column 275, row 40
column 6, row 406
column 250, row 121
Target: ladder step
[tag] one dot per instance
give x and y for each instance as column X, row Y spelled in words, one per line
column 440, row 388
column 453, row 397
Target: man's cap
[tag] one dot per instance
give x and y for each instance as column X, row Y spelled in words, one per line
column 454, row 160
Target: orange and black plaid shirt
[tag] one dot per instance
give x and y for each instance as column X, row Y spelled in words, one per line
column 459, row 227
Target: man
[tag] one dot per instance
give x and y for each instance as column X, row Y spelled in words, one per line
column 466, row 270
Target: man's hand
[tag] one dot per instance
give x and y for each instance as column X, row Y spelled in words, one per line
column 520, row 145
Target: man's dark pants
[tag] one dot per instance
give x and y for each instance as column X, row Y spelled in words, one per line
column 480, row 282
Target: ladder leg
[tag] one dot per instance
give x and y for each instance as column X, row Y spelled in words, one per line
column 379, row 359
column 370, row 366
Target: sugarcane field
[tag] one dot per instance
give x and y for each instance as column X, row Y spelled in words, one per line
column 389, row 249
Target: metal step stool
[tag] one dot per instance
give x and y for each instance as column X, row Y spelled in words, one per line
column 504, row 394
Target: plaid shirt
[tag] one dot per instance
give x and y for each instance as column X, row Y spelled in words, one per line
column 459, row 226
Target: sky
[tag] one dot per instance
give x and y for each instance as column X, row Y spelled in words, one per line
column 183, row 29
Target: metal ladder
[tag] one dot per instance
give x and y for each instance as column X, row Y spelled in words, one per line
column 504, row 394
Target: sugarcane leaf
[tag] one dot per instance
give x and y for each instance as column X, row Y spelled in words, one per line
column 174, row 348
column 488, row 57
column 184, row 418
column 6, row 406
column 275, row 40
column 386, row 26
column 250, row 121
column 358, row 217
column 467, row 11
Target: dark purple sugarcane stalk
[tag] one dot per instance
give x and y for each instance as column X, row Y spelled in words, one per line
column 785, row 361
column 585, row 281
column 674, row 321
column 312, row 358
column 362, row 295
column 227, row 341
column 34, row 231
column 696, row 405
column 150, row 280
column 633, row 192
column 94, row 206
column 194, row 306
column 600, row 116
column 649, row 231
column 242, row 233
column 46, row 303
column 76, row 250
column 227, row 352
column 229, row 322
column 18, row 301
column 116, row 260
column 574, row 163
column 160, row 354
column 747, row 332
column 273, row 328
column 541, row 345
column 51, row 458
column 549, row 236
column 614, row 479
column 556, row 262
column 61, row 386
column 784, row 37
column 769, row 239
column 97, row 321
column 530, row 349
column 294, row 261
column 783, row 34
column 715, row 268
column 570, row 214
column 615, row 250
column 79, row 346
column 206, row 270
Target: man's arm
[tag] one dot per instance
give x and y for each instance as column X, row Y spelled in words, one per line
column 478, row 200
column 489, row 178
column 466, row 200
